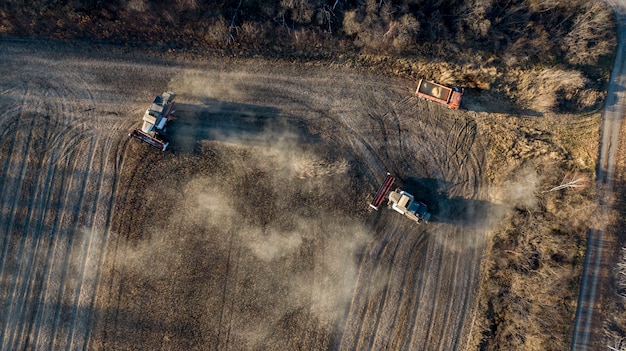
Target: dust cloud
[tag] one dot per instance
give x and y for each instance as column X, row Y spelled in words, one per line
column 480, row 218
column 290, row 237
column 519, row 192
column 274, row 230
column 223, row 85
column 260, row 228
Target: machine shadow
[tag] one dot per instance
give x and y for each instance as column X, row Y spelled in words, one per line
column 452, row 210
column 494, row 102
column 230, row 122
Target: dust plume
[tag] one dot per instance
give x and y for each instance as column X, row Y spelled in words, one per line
column 225, row 86
column 479, row 218
column 518, row 192
column 272, row 244
column 274, row 212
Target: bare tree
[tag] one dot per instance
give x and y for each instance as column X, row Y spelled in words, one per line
column 570, row 181
column 231, row 28
column 616, row 343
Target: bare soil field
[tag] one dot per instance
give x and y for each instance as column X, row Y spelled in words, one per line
column 253, row 232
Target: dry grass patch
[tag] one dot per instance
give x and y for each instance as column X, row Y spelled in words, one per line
column 530, row 276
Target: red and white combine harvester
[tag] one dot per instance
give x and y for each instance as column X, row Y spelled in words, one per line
column 400, row 201
column 155, row 121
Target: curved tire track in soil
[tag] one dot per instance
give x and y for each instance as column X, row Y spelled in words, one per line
column 447, row 267
column 52, row 187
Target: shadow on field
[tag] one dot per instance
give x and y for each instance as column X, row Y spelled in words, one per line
column 494, row 102
column 245, row 124
column 452, row 210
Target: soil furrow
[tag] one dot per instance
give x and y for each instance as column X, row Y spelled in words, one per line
column 398, row 277
column 88, row 255
column 378, row 298
column 28, row 258
column 46, row 245
column 108, row 241
column 53, row 214
column 12, row 250
column 114, row 214
column 60, row 319
column 411, row 285
column 439, row 338
column 428, row 299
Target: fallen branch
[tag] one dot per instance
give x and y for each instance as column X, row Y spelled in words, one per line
column 574, row 181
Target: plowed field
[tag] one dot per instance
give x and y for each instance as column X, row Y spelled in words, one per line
column 253, row 232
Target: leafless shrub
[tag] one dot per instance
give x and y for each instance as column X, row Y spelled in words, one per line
column 217, row 33
column 404, row 33
column 571, row 181
column 473, row 16
column 184, row 5
column 301, row 11
column 136, row 5
column 590, row 35
column 543, row 89
column 616, row 342
column 620, row 273
column 371, row 24
column 614, row 334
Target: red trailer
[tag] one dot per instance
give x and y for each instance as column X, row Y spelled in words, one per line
column 450, row 97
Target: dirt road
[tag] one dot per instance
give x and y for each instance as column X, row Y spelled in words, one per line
column 588, row 327
column 254, row 231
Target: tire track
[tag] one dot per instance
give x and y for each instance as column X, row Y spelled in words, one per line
column 9, row 179
column 453, row 162
column 225, row 319
column 16, row 176
column 54, row 281
column 421, row 287
column 73, row 291
column 27, row 257
column 46, row 245
column 584, row 336
column 67, row 280
column 440, row 325
column 56, row 198
column 29, row 273
column 356, row 315
column 377, row 294
column 92, row 233
column 428, row 298
column 468, row 303
column 107, row 241
column 35, row 282
column 414, row 287
column 386, row 325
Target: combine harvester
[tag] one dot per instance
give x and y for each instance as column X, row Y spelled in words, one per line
column 432, row 91
column 400, row 201
column 155, row 120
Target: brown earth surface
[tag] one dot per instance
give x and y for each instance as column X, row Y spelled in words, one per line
column 253, row 231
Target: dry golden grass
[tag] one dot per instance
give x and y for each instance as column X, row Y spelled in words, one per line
column 530, row 276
